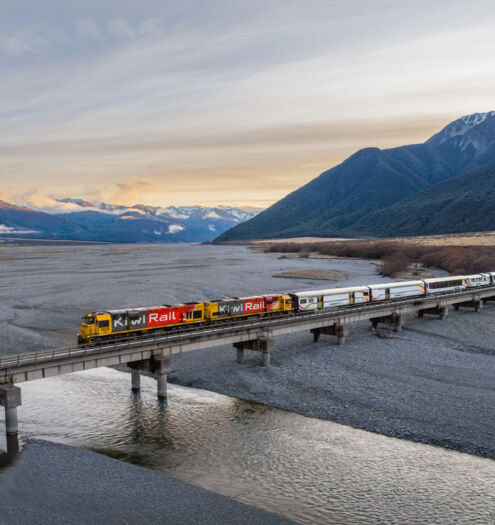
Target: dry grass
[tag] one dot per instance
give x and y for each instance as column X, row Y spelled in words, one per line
column 397, row 256
column 454, row 239
column 457, row 239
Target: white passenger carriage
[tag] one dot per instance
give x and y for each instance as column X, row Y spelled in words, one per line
column 386, row 291
column 480, row 279
column 445, row 284
column 492, row 277
column 320, row 299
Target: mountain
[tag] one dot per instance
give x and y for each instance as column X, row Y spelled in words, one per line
column 19, row 220
column 341, row 200
column 458, row 205
column 97, row 221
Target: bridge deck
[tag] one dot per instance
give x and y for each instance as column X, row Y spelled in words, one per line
column 27, row 367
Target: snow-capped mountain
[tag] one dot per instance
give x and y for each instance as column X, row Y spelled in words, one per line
column 227, row 213
column 363, row 195
column 99, row 221
column 475, row 132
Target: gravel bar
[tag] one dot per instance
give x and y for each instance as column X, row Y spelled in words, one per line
column 55, row 484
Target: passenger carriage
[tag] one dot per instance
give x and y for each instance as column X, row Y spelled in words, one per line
column 388, row 291
column 480, row 279
column 321, row 299
column 445, row 284
column 112, row 325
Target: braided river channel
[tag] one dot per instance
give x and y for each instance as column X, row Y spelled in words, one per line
column 310, row 470
column 435, row 381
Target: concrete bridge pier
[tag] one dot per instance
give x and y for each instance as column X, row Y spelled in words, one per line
column 441, row 311
column 161, row 367
column 10, row 398
column 477, row 303
column 135, row 380
column 395, row 319
column 340, row 330
column 240, row 357
column 12, row 445
column 136, row 367
column 263, row 344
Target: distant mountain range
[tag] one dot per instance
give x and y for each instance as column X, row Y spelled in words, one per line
column 98, row 221
column 444, row 185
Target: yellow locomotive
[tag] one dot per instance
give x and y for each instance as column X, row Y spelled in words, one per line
column 112, row 325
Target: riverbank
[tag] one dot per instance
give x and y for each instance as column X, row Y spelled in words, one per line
column 79, row 486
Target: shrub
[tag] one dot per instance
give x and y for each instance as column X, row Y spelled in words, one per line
column 397, row 255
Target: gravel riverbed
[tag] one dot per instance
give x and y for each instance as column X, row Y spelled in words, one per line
column 54, row 484
column 431, row 383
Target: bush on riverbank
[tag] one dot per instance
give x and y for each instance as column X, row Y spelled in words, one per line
column 396, row 256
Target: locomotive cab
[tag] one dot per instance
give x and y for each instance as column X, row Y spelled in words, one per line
column 94, row 324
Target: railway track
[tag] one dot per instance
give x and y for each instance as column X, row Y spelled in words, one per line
column 225, row 328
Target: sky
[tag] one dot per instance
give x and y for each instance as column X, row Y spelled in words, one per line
column 225, row 102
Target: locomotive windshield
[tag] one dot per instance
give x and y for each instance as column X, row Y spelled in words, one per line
column 89, row 319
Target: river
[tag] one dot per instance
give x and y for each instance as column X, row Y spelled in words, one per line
column 310, row 470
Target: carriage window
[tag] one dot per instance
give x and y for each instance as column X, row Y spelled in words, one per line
column 103, row 324
column 197, row 314
column 304, row 301
column 445, row 284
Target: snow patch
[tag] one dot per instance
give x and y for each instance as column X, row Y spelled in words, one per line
column 8, row 230
column 175, row 228
column 212, row 215
column 172, row 212
column 461, row 126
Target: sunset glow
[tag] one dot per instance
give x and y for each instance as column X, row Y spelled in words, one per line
column 224, row 102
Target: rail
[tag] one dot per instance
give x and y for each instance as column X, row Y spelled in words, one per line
column 24, row 359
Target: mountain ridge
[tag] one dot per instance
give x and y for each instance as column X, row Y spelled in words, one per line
column 89, row 221
column 340, row 200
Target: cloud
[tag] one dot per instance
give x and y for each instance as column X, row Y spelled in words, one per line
column 87, row 27
column 151, row 27
column 27, row 40
column 39, row 202
column 9, row 230
column 135, row 191
column 120, row 27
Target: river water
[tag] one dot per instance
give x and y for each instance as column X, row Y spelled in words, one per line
column 310, row 470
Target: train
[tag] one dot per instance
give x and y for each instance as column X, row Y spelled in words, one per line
column 114, row 325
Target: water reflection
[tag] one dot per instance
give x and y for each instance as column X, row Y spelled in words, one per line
column 310, row 470
column 12, row 449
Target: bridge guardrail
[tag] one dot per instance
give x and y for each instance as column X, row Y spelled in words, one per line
column 25, row 359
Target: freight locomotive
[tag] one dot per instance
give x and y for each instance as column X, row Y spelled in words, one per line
column 113, row 325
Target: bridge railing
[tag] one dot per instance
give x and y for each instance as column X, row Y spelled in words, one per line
column 25, row 359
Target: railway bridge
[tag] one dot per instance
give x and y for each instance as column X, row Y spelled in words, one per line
column 153, row 353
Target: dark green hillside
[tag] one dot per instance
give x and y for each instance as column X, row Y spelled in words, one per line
column 465, row 203
column 369, row 179
column 341, row 200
